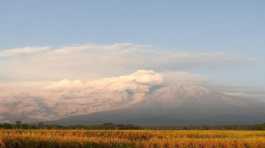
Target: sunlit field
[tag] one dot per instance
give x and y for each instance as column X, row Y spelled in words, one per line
column 131, row 138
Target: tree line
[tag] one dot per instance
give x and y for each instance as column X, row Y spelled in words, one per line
column 41, row 125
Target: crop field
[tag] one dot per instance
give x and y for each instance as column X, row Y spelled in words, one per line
column 131, row 138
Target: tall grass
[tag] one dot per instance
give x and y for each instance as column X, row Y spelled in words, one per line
column 131, row 138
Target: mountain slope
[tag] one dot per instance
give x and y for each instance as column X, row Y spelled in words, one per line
column 202, row 107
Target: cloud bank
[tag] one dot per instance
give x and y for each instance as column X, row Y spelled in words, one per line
column 57, row 99
column 90, row 61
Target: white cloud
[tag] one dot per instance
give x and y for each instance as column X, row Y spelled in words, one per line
column 89, row 61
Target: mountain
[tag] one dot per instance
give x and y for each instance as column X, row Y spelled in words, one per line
column 144, row 97
column 180, row 104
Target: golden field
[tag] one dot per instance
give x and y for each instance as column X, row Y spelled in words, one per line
column 131, row 138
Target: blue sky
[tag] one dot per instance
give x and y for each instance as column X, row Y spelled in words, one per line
column 233, row 27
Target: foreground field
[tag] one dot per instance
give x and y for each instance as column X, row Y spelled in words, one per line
column 131, row 138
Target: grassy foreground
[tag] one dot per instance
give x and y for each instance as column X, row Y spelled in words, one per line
column 131, row 138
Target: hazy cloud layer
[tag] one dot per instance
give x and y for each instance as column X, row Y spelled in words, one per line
column 89, row 61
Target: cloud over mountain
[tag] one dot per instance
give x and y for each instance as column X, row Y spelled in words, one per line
column 59, row 99
column 48, row 83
